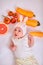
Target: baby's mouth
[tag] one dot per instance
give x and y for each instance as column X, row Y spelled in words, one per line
column 15, row 34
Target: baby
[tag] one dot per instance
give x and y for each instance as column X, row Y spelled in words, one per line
column 21, row 45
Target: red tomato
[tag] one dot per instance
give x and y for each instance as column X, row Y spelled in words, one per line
column 15, row 15
column 10, row 13
column 6, row 20
column 13, row 20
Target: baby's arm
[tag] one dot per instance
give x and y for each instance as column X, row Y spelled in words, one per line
column 12, row 46
column 30, row 41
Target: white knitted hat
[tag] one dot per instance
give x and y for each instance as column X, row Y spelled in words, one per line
column 22, row 26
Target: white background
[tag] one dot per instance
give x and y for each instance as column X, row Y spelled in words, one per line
column 36, row 6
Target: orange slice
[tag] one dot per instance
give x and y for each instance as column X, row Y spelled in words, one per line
column 3, row 28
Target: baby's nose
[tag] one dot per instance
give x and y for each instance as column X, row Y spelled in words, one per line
column 16, row 32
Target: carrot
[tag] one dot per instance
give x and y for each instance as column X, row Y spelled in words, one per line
column 32, row 22
column 38, row 34
column 27, row 13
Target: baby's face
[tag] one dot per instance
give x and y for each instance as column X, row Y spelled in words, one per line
column 18, row 32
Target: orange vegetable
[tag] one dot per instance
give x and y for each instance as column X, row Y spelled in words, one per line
column 25, row 12
column 38, row 34
column 32, row 22
column 3, row 28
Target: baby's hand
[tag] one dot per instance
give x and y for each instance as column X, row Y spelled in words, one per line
column 12, row 46
column 30, row 41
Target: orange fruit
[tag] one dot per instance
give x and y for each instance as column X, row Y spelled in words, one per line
column 3, row 28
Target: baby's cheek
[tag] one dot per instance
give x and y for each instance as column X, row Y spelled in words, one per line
column 21, row 34
column 14, row 33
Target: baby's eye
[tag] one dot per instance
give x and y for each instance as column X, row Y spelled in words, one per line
column 15, row 30
column 19, row 30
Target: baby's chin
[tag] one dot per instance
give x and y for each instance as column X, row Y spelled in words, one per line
column 17, row 37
